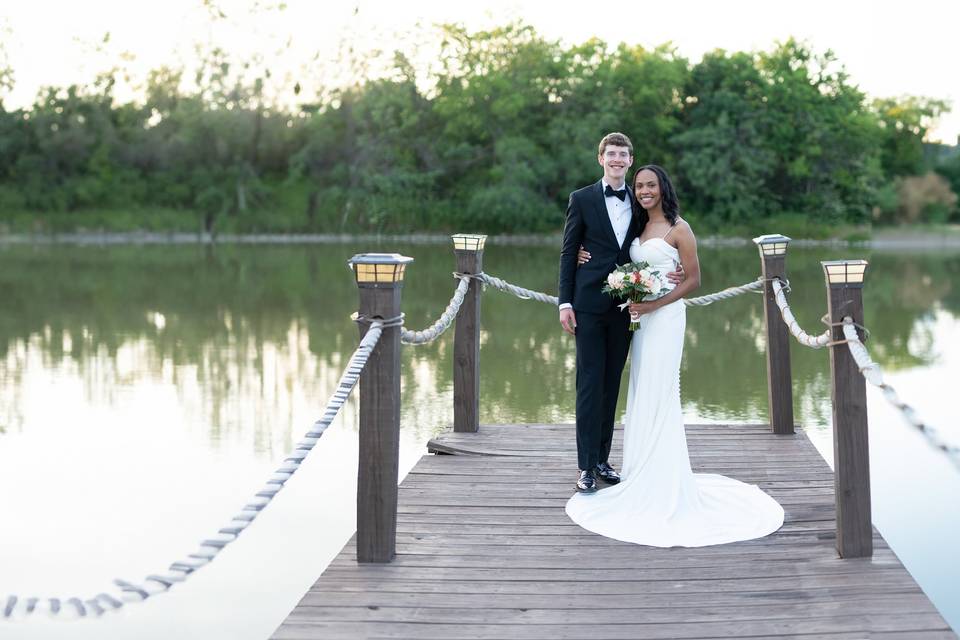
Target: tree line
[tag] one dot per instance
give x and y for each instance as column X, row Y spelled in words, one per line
column 492, row 137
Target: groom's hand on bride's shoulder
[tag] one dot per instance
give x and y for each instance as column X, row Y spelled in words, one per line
column 677, row 276
column 568, row 320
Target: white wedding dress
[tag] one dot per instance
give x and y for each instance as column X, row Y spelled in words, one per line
column 660, row 501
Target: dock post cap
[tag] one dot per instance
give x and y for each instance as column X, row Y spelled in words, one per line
column 378, row 269
column 772, row 244
column 468, row 241
column 844, row 273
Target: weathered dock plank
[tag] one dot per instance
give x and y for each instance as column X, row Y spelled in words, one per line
column 485, row 550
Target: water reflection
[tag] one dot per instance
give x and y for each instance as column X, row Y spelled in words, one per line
column 238, row 331
column 227, row 354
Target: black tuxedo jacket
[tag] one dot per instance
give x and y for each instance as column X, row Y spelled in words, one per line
column 588, row 224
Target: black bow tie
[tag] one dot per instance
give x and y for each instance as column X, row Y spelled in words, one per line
column 622, row 194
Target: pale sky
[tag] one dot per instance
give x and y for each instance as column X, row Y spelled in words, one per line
column 889, row 48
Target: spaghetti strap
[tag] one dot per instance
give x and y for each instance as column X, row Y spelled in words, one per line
column 664, row 236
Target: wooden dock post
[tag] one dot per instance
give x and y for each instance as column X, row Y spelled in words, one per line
column 773, row 255
column 379, row 279
column 851, row 452
column 466, row 342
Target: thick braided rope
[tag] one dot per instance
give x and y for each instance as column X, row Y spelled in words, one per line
column 520, row 292
column 874, row 375
column 209, row 548
column 443, row 323
column 804, row 338
column 527, row 294
column 727, row 293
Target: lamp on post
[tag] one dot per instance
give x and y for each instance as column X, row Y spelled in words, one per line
column 845, row 273
column 468, row 241
column 468, row 248
column 379, row 269
column 851, row 467
column 773, row 256
column 379, row 278
column 772, row 244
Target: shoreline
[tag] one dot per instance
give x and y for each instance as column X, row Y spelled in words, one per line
column 883, row 240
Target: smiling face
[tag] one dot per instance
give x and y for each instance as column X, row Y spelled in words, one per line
column 646, row 187
column 615, row 161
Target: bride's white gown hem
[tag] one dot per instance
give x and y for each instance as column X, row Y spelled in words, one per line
column 660, row 502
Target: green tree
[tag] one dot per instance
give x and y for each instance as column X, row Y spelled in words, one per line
column 492, row 137
column 493, row 96
column 370, row 156
column 6, row 71
column 822, row 136
column 949, row 168
column 725, row 161
column 522, row 116
column 68, row 147
column 904, row 123
column 12, row 134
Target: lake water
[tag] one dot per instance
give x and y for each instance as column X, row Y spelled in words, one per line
column 146, row 392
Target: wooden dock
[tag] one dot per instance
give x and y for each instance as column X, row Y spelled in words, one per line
column 485, row 550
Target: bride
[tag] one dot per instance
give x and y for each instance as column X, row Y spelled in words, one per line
column 660, row 501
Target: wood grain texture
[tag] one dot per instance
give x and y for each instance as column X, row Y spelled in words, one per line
column 379, row 438
column 850, row 443
column 485, row 550
column 779, row 378
column 466, row 348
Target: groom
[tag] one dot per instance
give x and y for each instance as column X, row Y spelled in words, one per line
column 600, row 219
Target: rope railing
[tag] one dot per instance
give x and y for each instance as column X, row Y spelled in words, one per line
column 874, row 375
column 804, row 338
column 868, row 368
column 520, row 292
column 209, row 548
column 725, row 294
column 443, row 323
column 528, row 294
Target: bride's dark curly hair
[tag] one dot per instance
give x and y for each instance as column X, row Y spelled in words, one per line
column 668, row 197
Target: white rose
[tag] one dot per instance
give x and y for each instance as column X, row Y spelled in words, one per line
column 655, row 285
column 615, row 280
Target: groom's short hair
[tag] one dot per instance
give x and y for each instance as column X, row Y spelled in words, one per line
column 617, row 140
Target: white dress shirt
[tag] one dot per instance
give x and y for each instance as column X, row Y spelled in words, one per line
column 619, row 212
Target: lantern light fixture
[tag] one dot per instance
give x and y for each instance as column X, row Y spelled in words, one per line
column 373, row 269
column 844, row 273
column 772, row 244
column 468, row 241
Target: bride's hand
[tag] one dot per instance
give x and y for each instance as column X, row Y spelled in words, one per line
column 678, row 275
column 583, row 256
column 638, row 309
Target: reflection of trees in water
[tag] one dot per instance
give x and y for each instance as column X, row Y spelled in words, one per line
column 230, row 326
column 899, row 303
column 249, row 330
column 723, row 368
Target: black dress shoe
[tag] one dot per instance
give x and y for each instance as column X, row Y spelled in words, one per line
column 587, row 482
column 607, row 473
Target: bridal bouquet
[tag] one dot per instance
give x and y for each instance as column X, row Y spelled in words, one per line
column 633, row 282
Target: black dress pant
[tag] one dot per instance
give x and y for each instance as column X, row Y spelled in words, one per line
column 602, row 345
